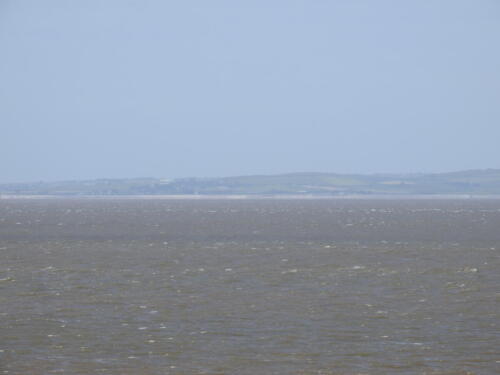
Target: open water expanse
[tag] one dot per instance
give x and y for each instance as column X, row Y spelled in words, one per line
column 300, row 287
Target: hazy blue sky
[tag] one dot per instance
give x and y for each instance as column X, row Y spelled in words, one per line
column 124, row 88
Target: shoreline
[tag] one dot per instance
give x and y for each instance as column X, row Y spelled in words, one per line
column 253, row 197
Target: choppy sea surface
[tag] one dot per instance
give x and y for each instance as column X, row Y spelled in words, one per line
column 303, row 287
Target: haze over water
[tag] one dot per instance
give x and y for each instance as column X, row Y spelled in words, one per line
column 249, row 287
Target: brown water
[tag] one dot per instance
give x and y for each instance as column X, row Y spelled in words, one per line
column 249, row 287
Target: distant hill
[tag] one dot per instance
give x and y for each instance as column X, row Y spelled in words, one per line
column 472, row 182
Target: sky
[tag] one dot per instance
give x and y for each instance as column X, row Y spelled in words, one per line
column 135, row 88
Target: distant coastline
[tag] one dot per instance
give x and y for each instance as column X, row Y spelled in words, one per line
column 305, row 185
column 252, row 197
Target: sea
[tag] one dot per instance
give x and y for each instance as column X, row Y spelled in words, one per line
column 249, row 286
